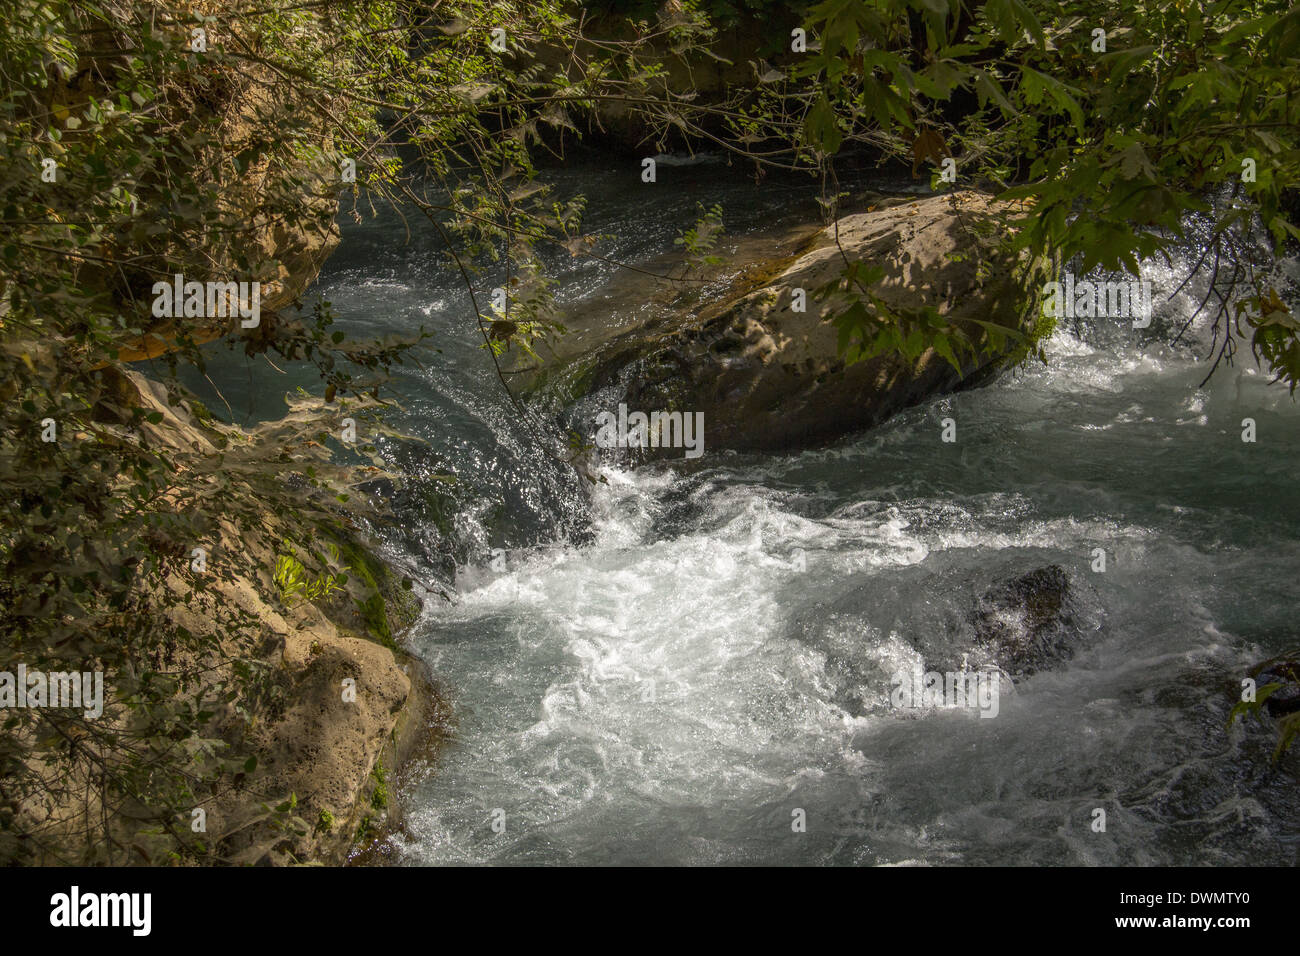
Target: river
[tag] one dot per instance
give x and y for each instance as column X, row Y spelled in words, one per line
column 684, row 666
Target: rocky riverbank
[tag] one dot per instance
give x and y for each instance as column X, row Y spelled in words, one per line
column 161, row 546
column 348, row 705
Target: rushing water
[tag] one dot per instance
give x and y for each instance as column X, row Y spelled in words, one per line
column 649, row 674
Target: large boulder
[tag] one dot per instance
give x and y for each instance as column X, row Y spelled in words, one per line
column 769, row 378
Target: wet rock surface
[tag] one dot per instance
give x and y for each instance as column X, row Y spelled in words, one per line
column 933, row 620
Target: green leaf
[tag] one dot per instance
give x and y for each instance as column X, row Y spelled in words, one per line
column 822, row 127
column 1122, row 62
column 944, row 348
column 989, row 89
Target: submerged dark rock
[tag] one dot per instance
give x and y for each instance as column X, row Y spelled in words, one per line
column 1028, row 623
column 950, row 618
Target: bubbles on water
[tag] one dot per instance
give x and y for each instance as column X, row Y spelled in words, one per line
column 697, row 686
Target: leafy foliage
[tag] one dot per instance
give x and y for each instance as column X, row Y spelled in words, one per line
column 1113, row 156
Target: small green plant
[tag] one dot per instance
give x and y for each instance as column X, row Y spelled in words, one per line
column 296, row 584
column 325, row 822
column 379, row 796
column 701, row 238
column 1288, row 726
